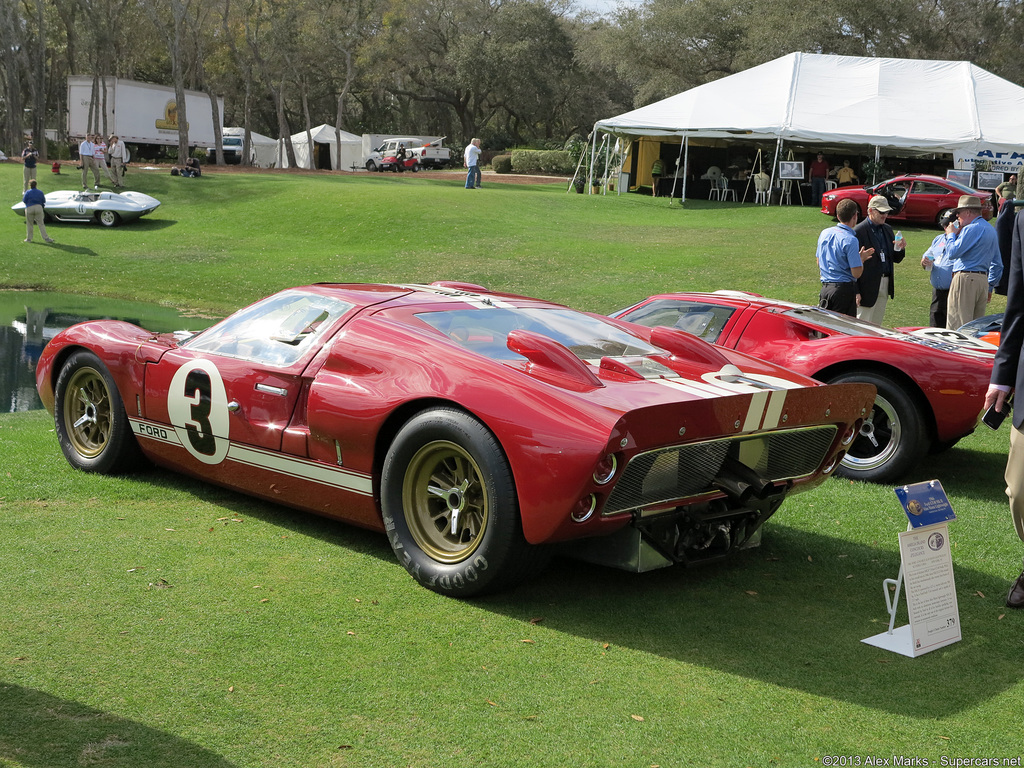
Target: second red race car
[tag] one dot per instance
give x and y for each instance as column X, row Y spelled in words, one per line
column 915, row 198
column 930, row 387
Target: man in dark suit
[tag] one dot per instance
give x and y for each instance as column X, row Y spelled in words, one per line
column 1008, row 376
column 875, row 284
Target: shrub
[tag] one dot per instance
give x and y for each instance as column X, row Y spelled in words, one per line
column 199, row 154
column 542, row 161
column 501, row 163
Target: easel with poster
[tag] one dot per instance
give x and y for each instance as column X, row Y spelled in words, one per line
column 789, row 179
column 926, row 567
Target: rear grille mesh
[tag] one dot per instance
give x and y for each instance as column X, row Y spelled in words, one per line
column 688, row 470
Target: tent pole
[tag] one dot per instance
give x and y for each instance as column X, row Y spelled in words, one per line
column 686, row 164
column 675, row 176
column 771, row 182
column 874, row 171
column 607, row 150
column 593, row 151
column 622, row 164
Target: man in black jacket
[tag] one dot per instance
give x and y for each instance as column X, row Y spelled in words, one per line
column 875, row 284
column 1008, row 376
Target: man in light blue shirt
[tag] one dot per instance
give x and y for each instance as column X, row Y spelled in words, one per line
column 977, row 266
column 941, row 276
column 841, row 261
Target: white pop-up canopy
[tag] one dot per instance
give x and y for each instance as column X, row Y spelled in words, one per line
column 916, row 105
column 263, row 149
column 342, row 157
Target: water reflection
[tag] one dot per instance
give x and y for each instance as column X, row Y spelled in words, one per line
column 29, row 319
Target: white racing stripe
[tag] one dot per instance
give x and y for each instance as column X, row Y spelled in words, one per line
column 758, row 400
column 293, row 466
column 764, row 411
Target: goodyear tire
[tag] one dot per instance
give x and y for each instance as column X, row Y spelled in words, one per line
column 90, row 419
column 449, row 506
column 370, row 165
column 892, row 439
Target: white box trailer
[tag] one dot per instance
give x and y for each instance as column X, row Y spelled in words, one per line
column 141, row 113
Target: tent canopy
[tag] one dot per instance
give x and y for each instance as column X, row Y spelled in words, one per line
column 343, row 157
column 263, row 148
column 912, row 104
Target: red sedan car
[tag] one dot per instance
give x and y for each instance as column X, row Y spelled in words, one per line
column 472, row 427
column 930, row 388
column 922, row 199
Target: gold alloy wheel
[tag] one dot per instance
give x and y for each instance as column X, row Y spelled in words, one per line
column 87, row 412
column 445, row 501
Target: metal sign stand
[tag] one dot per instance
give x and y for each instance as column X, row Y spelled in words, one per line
column 927, row 566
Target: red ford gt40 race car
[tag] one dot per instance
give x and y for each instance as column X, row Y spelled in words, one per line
column 931, row 383
column 472, row 427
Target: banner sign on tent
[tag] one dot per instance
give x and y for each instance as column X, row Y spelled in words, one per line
column 1006, row 162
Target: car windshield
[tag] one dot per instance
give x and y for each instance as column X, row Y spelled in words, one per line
column 838, row 323
column 485, row 331
column 232, row 142
column 275, row 331
column 699, row 318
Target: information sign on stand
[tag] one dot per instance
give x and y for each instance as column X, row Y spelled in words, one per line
column 927, row 567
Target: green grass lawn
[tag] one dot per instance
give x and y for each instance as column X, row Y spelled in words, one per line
column 152, row 620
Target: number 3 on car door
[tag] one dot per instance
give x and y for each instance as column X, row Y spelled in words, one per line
column 197, row 405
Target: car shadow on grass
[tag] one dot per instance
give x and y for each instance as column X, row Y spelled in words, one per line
column 38, row 730
column 791, row 613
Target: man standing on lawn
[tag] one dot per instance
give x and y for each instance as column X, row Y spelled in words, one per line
column 841, row 261
column 1007, row 377
column 977, row 266
column 85, row 157
column 472, row 155
column 29, row 156
column 876, row 284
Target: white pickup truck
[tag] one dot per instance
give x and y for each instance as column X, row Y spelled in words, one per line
column 431, row 155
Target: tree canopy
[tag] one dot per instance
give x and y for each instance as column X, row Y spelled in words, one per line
column 514, row 72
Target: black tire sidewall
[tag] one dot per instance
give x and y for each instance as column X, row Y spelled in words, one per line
column 491, row 564
column 121, row 451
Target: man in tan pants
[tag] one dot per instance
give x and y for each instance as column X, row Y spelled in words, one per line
column 85, row 155
column 35, row 202
column 1008, row 376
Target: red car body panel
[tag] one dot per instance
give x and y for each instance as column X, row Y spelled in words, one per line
column 951, row 379
column 929, row 196
column 313, row 433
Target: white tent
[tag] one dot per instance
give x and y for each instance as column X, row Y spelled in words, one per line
column 263, row 148
column 325, row 153
column 914, row 105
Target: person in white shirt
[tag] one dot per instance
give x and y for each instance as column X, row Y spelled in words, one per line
column 117, row 158
column 472, row 156
column 85, row 156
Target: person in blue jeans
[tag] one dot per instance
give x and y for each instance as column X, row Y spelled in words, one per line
column 472, row 155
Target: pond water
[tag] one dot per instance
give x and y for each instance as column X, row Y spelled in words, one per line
column 29, row 319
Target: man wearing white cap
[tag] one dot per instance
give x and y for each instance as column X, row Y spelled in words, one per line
column 875, row 285
column 973, row 253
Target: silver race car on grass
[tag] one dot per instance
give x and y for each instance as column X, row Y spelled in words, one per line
column 107, row 208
